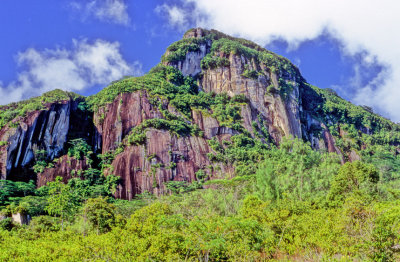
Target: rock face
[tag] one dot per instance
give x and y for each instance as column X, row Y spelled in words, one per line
column 164, row 156
column 191, row 65
column 171, row 159
column 281, row 114
column 65, row 167
column 47, row 130
column 114, row 121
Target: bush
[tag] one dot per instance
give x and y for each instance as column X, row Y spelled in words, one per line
column 211, row 62
column 100, row 214
column 45, row 223
column 7, row 224
column 353, row 178
column 79, row 148
column 296, row 172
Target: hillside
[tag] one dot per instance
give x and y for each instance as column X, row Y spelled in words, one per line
column 223, row 140
column 211, row 95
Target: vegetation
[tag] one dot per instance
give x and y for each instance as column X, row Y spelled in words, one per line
column 20, row 109
column 60, row 201
column 358, row 129
column 211, row 62
column 283, row 203
column 299, row 204
column 178, row 50
column 79, row 148
column 221, row 46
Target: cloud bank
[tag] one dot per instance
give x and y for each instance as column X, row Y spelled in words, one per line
column 81, row 67
column 112, row 11
column 369, row 27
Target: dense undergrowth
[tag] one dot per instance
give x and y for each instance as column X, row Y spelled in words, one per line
column 299, row 205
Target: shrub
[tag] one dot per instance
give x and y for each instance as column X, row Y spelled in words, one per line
column 353, row 178
column 100, row 214
column 79, row 148
column 45, row 223
column 7, row 224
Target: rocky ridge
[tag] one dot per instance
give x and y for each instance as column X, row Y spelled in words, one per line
column 226, row 93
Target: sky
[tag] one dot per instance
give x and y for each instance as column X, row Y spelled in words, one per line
column 350, row 46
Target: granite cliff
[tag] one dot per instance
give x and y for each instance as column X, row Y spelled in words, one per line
column 184, row 121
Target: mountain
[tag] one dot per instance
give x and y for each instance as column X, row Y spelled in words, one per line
column 208, row 111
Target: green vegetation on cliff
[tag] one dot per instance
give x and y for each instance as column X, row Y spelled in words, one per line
column 20, row 109
column 356, row 128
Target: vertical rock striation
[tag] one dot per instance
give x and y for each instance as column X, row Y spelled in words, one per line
column 47, row 130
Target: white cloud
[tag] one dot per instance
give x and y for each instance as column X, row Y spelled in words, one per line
column 113, row 11
column 83, row 66
column 177, row 16
column 361, row 25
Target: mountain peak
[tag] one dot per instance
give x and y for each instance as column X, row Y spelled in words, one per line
column 196, row 33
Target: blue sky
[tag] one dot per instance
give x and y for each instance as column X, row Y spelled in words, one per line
column 84, row 45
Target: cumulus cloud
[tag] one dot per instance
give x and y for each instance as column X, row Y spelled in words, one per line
column 177, row 16
column 79, row 68
column 113, row 11
column 369, row 27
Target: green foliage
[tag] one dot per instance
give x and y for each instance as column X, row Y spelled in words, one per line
column 11, row 191
column 227, row 113
column 61, row 201
column 180, row 187
column 362, row 126
column 79, row 148
column 243, row 151
column 34, row 205
column 7, row 224
column 41, row 224
column 20, row 109
column 211, row 62
column 93, row 184
column 126, row 208
column 252, row 74
column 178, row 50
column 382, row 242
column 201, row 175
column 231, row 221
column 106, row 159
column 100, row 214
column 353, row 178
column 295, row 172
column 41, row 161
column 229, row 46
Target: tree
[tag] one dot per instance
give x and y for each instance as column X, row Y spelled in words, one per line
column 79, row 148
column 100, row 214
column 60, row 201
column 11, row 191
column 356, row 177
column 295, row 171
column 26, row 188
